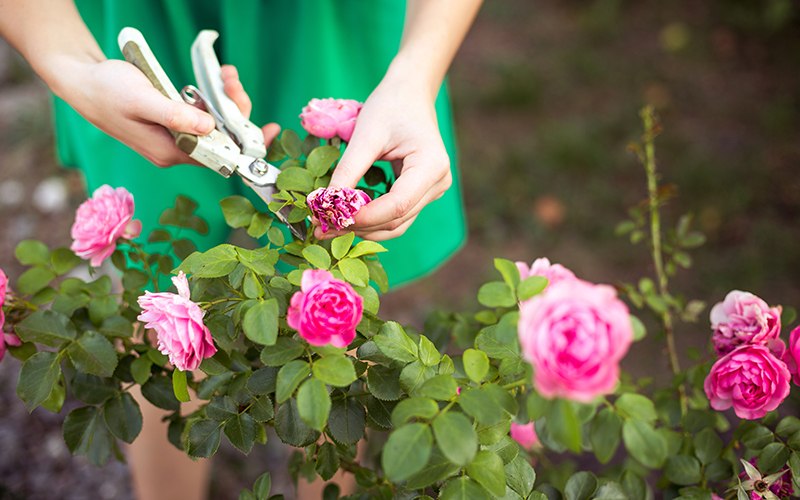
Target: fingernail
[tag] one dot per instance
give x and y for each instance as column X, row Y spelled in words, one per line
column 204, row 123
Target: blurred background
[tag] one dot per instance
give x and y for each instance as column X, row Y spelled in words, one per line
column 546, row 97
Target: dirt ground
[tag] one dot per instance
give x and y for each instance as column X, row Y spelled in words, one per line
column 545, row 99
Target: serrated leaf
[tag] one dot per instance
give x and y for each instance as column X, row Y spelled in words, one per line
column 285, row 349
column 384, row 382
column 347, row 421
column 78, row 428
column 636, row 406
column 289, row 377
column 337, row 371
column 365, row 248
column 261, row 322
column 487, row 469
column 580, row 486
column 341, row 245
column 682, row 469
column 93, row 353
column 354, row 271
column 644, row 443
column 46, row 327
column 36, row 378
column 476, row 364
column 317, row 256
column 441, row 387
column 456, row 437
column 605, row 433
column 321, row 159
column 314, row 403
column 241, row 432
column 406, row 451
column 463, row 488
column 204, row 438
column 394, row 343
column 123, row 417
column 413, row 407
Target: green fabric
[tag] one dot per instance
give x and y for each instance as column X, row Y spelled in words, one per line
column 287, row 52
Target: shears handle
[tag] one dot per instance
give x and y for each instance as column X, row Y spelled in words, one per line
column 215, row 150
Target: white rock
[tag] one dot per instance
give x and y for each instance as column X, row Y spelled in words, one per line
column 50, row 195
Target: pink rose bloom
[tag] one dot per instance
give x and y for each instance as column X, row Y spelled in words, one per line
column 525, row 435
column 100, row 221
column 7, row 338
column 743, row 318
column 792, row 355
column 575, row 336
column 336, row 206
column 326, row 310
column 179, row 324
column 542, row 267
column 749, row 378
column 326, row 118
column 3, row 291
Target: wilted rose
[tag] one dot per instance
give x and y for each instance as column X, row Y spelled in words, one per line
column 542, row 267
column 179, row 324
column 743, row 318
column 327, row 118
column 325, row 310
column 574, row 336
column 781, row 487
column 751, row 379
column 525, row 435
column 336, row 206
column 100, row 221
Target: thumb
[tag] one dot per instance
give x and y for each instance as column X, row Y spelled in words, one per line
column 359, row 155
column 178, row 116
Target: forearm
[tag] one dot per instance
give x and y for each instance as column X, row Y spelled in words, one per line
column 434, row 29
column 51, row 36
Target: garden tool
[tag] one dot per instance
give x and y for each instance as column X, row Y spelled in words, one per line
column 236, row 145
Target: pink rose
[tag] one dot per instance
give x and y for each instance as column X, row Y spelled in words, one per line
column 743, row 318
column 326, row 310
column 525, row 435
column 542, row 267
column 3, row 291
column 792, row 355
column 336, row 206
column 327, row 118
column 100, row 221
column 574, row 336
column 179, row 324
column 749, row 378
column 7, row 338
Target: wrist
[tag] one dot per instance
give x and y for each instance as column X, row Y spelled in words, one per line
column 413, row 74
column 65, row 73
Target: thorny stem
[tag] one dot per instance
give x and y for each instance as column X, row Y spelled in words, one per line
column 648, row 116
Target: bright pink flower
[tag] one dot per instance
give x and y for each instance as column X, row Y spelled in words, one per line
column 3, row 291
column 575, row 336
column 326, row 310
column 336, row 206
column 179, row 324
column 100, row 221
column 542, row 267
column 9, row 339
column 751, row 379
column 525, row 435
column 743, row 318
column 792, row 355
column 330, row 117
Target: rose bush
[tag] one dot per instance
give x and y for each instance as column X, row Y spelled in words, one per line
column 288, row 336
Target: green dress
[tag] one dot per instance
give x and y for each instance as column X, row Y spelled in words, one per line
column 287, row 52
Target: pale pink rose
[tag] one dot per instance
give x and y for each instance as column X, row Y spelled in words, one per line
column 327, row 118
column 525, row 435
column 751, row 379
column 792, row 355
column 179, row 324
column 575, row 336
column 326, row 310
column 100, row 221
column 336, row 207
column 7, row 339
column 743, row 318
column 542, row 267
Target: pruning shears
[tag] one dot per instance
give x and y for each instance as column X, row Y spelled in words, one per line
column 236, row 145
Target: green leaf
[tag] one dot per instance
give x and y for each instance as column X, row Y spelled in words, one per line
column 37, row 377
column 365, row 248
column 158, row 390
column 354, row 271
column 101, row 308
column 327, row 461
column 707, row 445
column 92, row 389
column 289, row 377
column 696, row 420
column 314, row 403
column 46, row 327
column 290, row 428
column 291, row 143
column 215, row 263
column 772, row 458
column 604, row 434
column 476, row 364
column 204, row 438
column 496, row 294
column 238, row 210
column 441, row 387
column 537, row 406
column 480, row 405
column 123, row 417
column 463, row 488
column 93, row 353
column 406, row 451
column 295, row 179
column 341, row 245
column 384, row 383
column 488, row 342
column 507, row 449
column 117, row 326
column 262, row 409
column 456, row 437
column 321, row 159
column 531, row 286
column 788, row 426
column 241, row 432
column 347, row 421
column 63, row 260
column 437, row 469
column 158, row 235
column 644, row 443
column 636, row 406
column 394, row 343
column 565, row 425
column 32, row 252
column 337, row 371
column 179, row 386
column 682, row 469
column 520, row 476
column 378, row 274
column 78, row 428
column 414, row 375
column 222, row 408
column 580, row 486
column 428, row 353
column 217, row 364
column 261, row 322
column 487, row 469
column 413, row 407
column 262, row 486
column 639, row 331
column 317, row 256
column 133, row 279
column 284, row 350
column 611, row 491
column 757, row 438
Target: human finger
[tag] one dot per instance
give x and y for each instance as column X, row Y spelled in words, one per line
column 270, row 131
column 235, row 90
column 359, row 155
column 386, row 234
column 153, row 106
